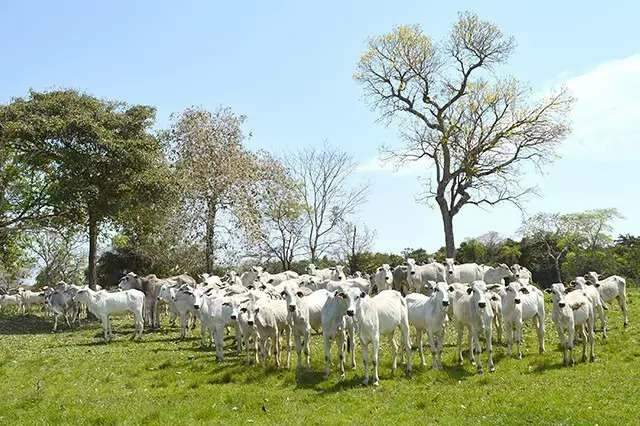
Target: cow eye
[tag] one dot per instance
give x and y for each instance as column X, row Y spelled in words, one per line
column 243, row 310
column 226, row 304
column 283, row 294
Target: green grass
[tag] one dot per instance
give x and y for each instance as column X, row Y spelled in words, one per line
column 71, row 377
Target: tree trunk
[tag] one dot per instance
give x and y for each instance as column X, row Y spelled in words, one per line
column 447, row 222
column 353, row 262
column 93, row 249
column 210, row 234
column 556, row 264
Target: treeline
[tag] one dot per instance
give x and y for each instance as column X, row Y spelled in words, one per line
column 89, row 190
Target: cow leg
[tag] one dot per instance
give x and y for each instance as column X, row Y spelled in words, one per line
column 238, row 338
column 419, row 333
column 287, row 333
column 472, row 355
column 327, row 355
column 394, row 353
column 365, row 361
column 183, row 324
column 583, row 334
column 340, row 338
column 55, row 323
column 603, row 321
column 219, row 342
column 508, row 326
column 376, row 350
column 307, row 351
column 105, row 328
column 489, row 343
column 298, row 342
column 352, row 340
column 540, row 333
column 519, row 338
column 460, row 331
column 276, row 347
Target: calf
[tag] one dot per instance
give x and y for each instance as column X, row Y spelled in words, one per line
column 7, row 300
column 613, row 287
column 379, row 316
column 573, row 313
column 472, row 311
column 496, row 274
column 521, row 273
column 183, row 301
column 428, row 314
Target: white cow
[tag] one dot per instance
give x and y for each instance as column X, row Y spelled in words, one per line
column 30, row 298
column 338, row 273
column 7, row 300
column 613, row 287
column 324, row 274
column 380, row 316
column 496, row 274
column 383, row 278
column 419, row 276
column 428, row 314
column 521, row 273
column 400, row 282
column 299, row 322
column 103, row 304
column 596, row 301
column 270, row 319
column 573, row 313
column 339, row 303
column 465, row 273
column 275, row 279
column 521, row 303
column 472, row 311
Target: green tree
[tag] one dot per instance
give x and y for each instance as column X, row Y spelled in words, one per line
column 472, row 251
column 102, row 164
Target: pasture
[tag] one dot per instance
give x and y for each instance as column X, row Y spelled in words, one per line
column 71, row 377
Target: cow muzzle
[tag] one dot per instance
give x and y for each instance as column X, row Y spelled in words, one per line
column 196, row 307
column 445, row 303
column 482, row 305
column 562, row 304
column 233, row 317
column 250, row 323
column 350, row 312
column 517, row 301
column 292, row 308
column 413, row 272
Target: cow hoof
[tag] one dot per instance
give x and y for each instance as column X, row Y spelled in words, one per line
column 365, row 382
column 376, row 383
column 626, row 324
column 492, row 369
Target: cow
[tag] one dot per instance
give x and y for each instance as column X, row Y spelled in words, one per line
column 613, row 287
column 419, row 276
column 428, row 314
column 383, row 278
column 465, row 273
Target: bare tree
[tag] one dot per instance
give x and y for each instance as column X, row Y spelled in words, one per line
column 328, row 198
column 353, row 240
column 474, row 129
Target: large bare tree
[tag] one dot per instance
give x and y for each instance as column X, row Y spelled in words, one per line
column 476, row 130
column 354, row 239
column 327, row 195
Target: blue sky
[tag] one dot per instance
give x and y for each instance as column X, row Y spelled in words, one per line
column 288, row 66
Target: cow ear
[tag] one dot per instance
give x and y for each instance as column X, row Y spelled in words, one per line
column 256, row 310
column 524, row 290
column 451, row 289
column 469, row 290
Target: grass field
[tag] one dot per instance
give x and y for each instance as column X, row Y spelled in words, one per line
column 72, row 377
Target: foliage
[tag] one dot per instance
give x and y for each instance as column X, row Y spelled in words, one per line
column 59, row 255
column 221, row 181
column 100, row 162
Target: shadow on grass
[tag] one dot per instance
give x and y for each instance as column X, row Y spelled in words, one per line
column 30, row 324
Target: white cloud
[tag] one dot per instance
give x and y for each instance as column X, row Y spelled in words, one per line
column 607, row 111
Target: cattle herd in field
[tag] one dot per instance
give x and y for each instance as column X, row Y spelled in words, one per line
column 263, row 309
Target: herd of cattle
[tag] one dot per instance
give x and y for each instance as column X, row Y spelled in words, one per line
column 263, row 308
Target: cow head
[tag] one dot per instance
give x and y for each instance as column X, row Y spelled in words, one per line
column 477, row 291
column 129, row 281
column 411, row 266
column 449, row 264
column 311, row 269
column 440, row 294
column 558, row 292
